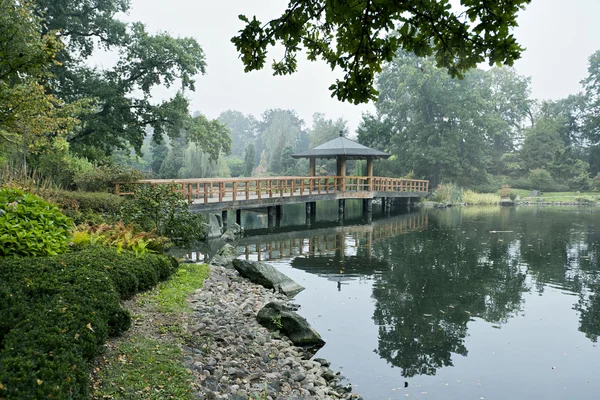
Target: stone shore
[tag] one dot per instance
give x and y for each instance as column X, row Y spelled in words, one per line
column 234, row 357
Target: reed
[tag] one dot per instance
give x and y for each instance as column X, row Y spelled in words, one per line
column 473, row 198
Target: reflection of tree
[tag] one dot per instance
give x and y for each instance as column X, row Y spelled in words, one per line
column 437, row 280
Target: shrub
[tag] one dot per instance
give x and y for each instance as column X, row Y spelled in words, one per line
column 119, row 236
column 504, row 192
column 57, row 312
column 513, row 195
column 92, row 207
column 30, row 226
column 103, row 178
column 541, row 179
column 163, row 209
column 448, row 193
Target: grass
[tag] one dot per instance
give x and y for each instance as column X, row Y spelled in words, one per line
column 473, row 198
column 558, row 196
column 147, row 363
column 145, row 368
column 170, row 296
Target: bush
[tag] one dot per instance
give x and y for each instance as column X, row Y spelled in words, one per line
column 92, row 207
column 119, row 236
column 57, row 312
column 104, row 177
column 448, row 193
column 163, row 209
column 504, row 191
column 30, row 226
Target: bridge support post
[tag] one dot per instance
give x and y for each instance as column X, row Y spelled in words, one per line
column 368, row 210
column 238, row 217
column 271, row 216
column 224, row 219
column 311, row 212
column 341, row 208
column 278, row 216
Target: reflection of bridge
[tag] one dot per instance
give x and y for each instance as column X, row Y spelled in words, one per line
column 330, row 240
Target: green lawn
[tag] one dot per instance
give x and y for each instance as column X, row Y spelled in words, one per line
column 559, row 196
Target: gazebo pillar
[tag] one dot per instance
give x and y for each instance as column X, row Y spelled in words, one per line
column 341, row 173
column 370, row 173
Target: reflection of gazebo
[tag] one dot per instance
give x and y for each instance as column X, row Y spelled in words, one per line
column 341, row 149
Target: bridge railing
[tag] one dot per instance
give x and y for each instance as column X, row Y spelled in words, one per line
column 232, row 189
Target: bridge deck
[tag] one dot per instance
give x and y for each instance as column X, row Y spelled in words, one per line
column 223, row 193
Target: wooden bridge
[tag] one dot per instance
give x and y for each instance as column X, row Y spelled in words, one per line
column 222, row 194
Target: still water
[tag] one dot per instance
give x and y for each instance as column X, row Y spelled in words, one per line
column 471, row 303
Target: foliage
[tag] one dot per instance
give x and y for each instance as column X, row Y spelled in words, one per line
column 249, row 156
column 103, row 178
column 30, row 226
column 122, row 94
column 198, row 164
column 448, row 193
column 242, row 129
column 443, row 128
column 542, row 141
column 163, row 208
column 120, row 236
column 504, row 191
column 473, row 198
column 360, row 37
column 541, row 179
column 57, row 312
column 236, row 166
column 29, row 116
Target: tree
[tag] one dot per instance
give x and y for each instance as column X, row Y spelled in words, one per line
column 236, row 166
column 29, row 116
column 242, row 129
column 324, row 130
column 360, row 36
column 278, row 129
column 443, row 128
column 542, row 142
column 122, row 94
column 249, row 156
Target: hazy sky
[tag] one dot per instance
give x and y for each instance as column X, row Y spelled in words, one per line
column 559, row 36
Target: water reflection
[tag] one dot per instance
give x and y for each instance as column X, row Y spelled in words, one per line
column 434, row 273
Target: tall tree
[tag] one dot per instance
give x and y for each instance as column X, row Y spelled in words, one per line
column 242, row 129
column 122, row 94
column 445, row 128
column 360, row 36
column 249, row 157
column 29, row 116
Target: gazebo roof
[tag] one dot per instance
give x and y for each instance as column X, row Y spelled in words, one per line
column 341, row 146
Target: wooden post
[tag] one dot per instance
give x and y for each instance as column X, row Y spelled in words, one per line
column 220, row 191
column 238, row 217
column 205, row 193
column 117, row 192
column 247, row 190
column 258, row 191
column 235, row 189
column 189, row 192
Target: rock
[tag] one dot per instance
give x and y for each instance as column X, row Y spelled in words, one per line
column 214, row 226
column 323, row 362
column 231, row 233
column 267, row 276
column 276, row 315
column 507, row 202
column 224, row 256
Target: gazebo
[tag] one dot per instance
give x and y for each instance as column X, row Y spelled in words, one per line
column 341, row 149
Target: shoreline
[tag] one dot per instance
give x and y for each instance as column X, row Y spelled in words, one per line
column 237, row 358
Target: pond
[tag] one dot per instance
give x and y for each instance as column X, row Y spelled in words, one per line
column 470, row 303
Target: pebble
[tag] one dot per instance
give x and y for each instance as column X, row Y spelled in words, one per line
column 232, row 356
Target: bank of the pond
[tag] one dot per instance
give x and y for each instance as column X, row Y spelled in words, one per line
column 216, row 350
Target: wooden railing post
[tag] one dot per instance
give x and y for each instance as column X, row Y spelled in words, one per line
column 205, row 193
column 247, row 190
column 258, row 191
column 235, row 188
column 221, row 187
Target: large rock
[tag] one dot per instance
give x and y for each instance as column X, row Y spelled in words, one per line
column 214, row 226
column 267, row 276
column 277, row 316
column 224, row 256
column 232, row 233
